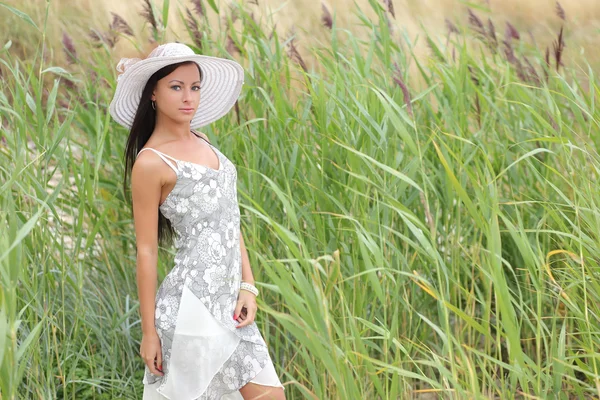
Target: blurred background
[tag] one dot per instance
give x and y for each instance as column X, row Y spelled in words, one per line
column 537, row 20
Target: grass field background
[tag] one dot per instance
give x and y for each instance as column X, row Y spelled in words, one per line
column 421, row 216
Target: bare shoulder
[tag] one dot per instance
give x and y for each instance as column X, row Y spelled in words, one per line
column 147, row 173
column 146, row 165
column 202, row 134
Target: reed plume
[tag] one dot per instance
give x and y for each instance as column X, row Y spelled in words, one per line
column 294, row 54
column 120, row 25
column 232, row 46
column 198, row 7
column 326, row 17
column 148, row 14
column 476, row 23
column 560, row 12
column 397, row 77
column 559, row 46
column 511, row 32
column 195, row 33
column 69, row 48
column 451, row 26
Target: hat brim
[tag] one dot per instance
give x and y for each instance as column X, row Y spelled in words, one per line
column 220, row 86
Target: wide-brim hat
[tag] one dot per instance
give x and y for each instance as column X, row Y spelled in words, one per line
column 220, row 85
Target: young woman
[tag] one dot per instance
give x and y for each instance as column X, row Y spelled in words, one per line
column 199, row 339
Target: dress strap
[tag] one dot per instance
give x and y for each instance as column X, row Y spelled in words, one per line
column 202, row 137
column 163, row 156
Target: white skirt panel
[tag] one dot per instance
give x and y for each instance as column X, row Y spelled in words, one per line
column 200, row 348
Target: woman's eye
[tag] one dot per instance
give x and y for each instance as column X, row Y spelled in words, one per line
column 196, row 87
column 175, row 86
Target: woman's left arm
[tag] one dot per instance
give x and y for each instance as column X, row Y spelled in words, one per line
column 245, row 309
column 246, row 270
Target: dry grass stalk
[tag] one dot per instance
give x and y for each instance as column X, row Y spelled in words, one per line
column 478, row 110
column 509, row 53
column 272, row 31
column 492, row 35
column 232, row 47
column 390, row 7
column 532, row 73
column 254, row 19
column 236, row 108
column 326, row 17
column 488, row 36
column 233, row 16
column 148, row 14
column 511, row 32
column 451, row 27
column 69, row 84
column 389, row 24
column 428, row 215
column 473, row 76
column 111, row 37
column 98, row 38
column 514, row 60
column 235, row 12
column 559, row 46
column 552, row 121
column 192, row 24
column 547, row 59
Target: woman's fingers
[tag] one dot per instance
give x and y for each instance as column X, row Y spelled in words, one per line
column 151, row 352
column 159, row 361
column 150, row 362
column 248, row 317
column 245, row 309
column 238, row 309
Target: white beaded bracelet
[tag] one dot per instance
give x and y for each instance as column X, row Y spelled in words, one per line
column 249, row 287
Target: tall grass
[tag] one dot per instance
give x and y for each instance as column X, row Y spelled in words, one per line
column 440, row 243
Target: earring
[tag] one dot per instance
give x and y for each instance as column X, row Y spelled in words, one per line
column 153, row 105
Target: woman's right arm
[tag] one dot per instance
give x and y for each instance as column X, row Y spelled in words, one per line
column 146, row 184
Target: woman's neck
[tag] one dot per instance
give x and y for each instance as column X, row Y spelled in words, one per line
column 171, row 130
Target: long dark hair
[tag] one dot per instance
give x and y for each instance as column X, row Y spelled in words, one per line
column 141, row 130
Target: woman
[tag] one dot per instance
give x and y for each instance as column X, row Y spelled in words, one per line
column 199, row 335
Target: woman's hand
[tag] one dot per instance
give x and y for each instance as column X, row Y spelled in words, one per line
column 245, row 310
column 150, row 350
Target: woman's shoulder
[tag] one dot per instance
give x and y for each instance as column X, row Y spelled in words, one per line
column 146, row 165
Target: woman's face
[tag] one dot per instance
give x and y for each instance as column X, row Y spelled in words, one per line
column 177, row 95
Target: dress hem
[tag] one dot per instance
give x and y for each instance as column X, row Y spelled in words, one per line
column 231, row 393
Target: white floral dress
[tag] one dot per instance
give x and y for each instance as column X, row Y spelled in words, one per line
column 204, row 355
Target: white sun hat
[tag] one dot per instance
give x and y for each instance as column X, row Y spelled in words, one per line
column 220, row 85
